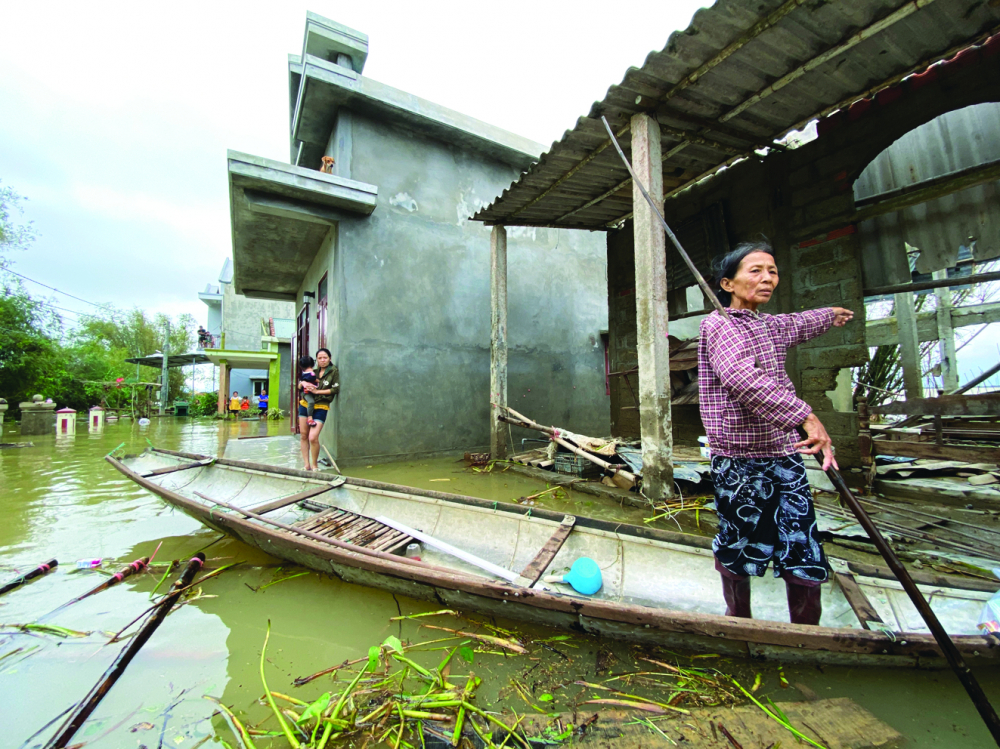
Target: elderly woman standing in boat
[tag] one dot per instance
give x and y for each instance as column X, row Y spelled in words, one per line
column 751, row 413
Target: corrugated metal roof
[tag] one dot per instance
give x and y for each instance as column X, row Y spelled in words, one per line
column 742, row 75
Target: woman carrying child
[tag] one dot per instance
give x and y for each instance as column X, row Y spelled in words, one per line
column 322, row 385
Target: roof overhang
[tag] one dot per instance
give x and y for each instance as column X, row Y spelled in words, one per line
column 241, row 359
column 173, row 360
column 280, row 216
column 744, row 75
column 322, row 87
column 210, row 299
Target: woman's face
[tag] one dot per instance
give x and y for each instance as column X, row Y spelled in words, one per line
column 322, row 359
column 754, row 282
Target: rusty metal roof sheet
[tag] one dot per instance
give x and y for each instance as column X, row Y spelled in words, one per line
column 738, row 79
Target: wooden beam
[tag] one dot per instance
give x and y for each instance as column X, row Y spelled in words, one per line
column 946, row 335
column 652, row 346
column 498, row 340
column 925, row 285
column 277, row 504
column 857, row 599
column 985, row 404
column 537, row 566
column 174, row 469
column 909, row 346
column 884, row 332
column 921, row 192
column 941, row 452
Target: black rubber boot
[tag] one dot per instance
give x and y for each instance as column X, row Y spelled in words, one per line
column 804, row 602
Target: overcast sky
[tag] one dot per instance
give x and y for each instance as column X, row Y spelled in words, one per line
column 115, row 117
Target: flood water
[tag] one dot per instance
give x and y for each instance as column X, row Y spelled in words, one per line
column 61, row 499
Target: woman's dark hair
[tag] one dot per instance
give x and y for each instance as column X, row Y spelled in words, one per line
column 306, row 362
column 327, row 353
column 729, row 264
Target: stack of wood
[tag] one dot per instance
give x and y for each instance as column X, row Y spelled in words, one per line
column 599, row 452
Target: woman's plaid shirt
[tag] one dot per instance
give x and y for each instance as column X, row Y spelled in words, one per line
column 751, row 411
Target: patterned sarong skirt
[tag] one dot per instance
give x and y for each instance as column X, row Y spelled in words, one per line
column 766, row 515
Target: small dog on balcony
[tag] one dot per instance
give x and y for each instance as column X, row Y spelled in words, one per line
column 328, row 163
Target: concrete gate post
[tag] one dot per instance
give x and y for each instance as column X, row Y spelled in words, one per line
column 652, row 345
column 223, row 387
column 498, row 340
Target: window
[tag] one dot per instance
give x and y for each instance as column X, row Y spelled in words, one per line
column 321, row 311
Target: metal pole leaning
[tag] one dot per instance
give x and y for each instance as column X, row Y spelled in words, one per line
column 951, row 654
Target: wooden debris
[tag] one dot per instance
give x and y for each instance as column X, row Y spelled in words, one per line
column 983, row 479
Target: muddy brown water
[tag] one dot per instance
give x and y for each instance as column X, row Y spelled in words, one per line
column 60, row 499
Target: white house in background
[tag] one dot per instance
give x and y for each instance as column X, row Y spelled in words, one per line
column 251, row 341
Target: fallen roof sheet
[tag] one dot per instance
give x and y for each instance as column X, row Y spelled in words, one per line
column 742, row 76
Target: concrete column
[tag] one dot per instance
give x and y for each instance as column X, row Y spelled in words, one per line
column 274, row 381
column 165, row 372
column 946, row 335
column 909, row 344
column 498, row 340
column 652, row 345
column 223, row 386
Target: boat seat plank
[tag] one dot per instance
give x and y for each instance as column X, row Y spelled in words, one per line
column 174, row 469
column 544, row 558
column 857, row 599
column 277, row 504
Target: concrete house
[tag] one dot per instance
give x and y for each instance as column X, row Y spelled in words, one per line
column 705, row 123
column 251, row 342
column 384, row 268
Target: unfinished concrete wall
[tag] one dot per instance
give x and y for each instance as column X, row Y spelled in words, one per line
column 414, row 307
column 241, row 318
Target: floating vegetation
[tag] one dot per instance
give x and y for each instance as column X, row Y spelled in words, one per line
column 670, row 510
column 394, row 696
column 46, row 629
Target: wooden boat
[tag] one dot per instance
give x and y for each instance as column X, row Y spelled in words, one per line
column 659, row 587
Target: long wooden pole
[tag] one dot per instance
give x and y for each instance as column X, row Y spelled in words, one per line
column 951, row 654
column 38, row 571
column 80, row 714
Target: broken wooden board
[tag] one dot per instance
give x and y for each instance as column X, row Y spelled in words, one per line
column 837, row 723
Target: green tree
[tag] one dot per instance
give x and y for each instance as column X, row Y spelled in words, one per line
column 30, row 360
column 13, row 234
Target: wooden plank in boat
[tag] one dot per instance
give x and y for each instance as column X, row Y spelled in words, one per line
column 277, row 504
column 174, row 469
column 544, row 558
column 857, row 599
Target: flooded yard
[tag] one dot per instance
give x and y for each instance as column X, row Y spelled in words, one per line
column 61, row 499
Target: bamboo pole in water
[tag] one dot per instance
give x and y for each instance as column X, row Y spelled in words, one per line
column 127, row 571
column 42, row 569
column 951, row 654
column 83, row 710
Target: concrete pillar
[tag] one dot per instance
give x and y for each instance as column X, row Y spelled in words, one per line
column 165, row 373
column 652, row 345
column 946, row 335
column 223, row 387
column 498, row 340
column 909, row 345
column 273, row 382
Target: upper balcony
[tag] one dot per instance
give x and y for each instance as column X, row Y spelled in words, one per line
column 280, row 216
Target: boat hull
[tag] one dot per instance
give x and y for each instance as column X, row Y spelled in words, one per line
column 691, row 631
